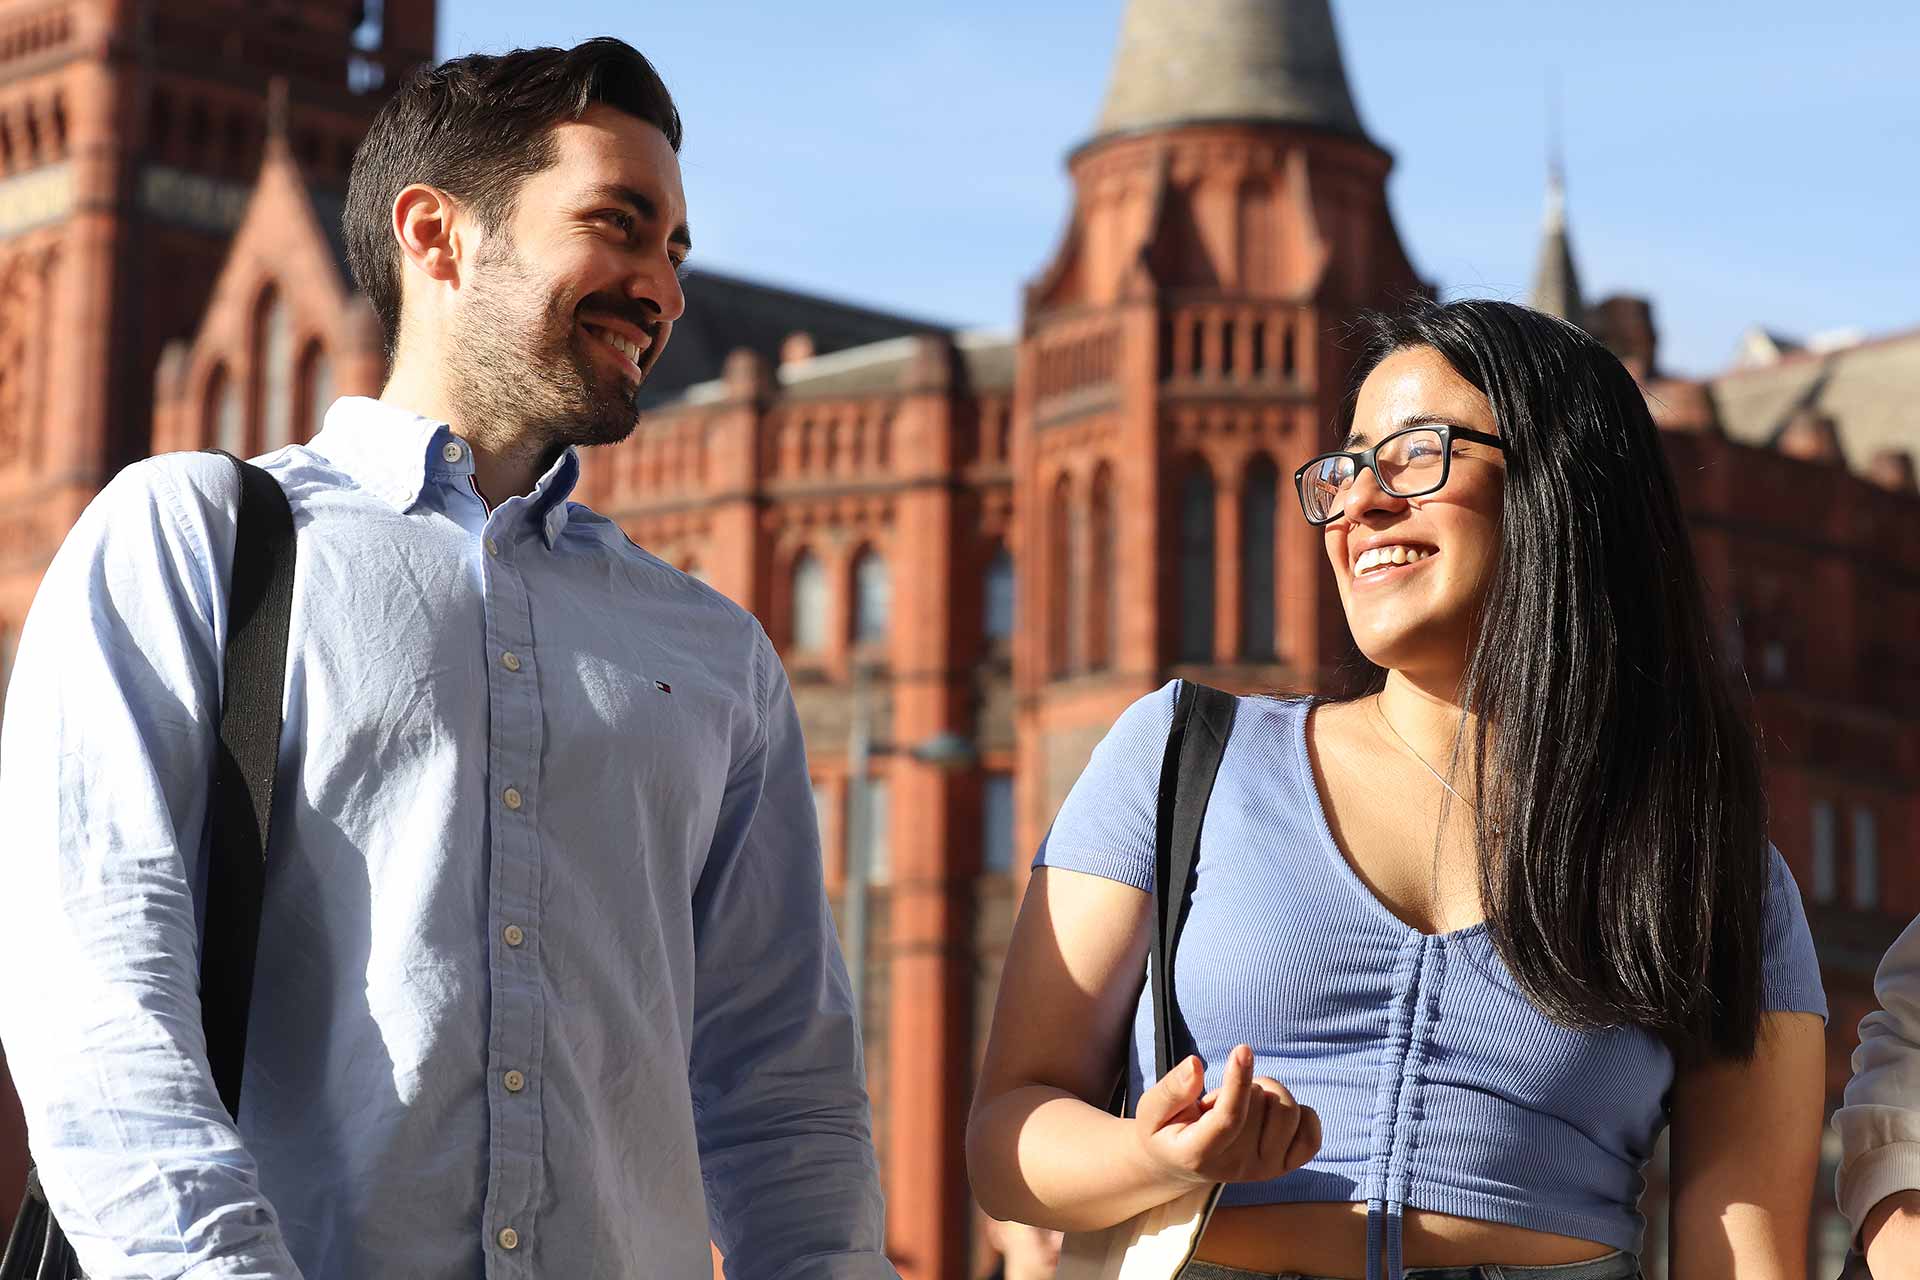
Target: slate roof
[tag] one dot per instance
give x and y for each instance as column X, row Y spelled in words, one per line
column 1871, row 391
column 725, row 313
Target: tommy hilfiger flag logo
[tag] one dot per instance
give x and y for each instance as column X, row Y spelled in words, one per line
column 663, row 686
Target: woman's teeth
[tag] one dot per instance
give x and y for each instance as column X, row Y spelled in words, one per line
column 1381, row 557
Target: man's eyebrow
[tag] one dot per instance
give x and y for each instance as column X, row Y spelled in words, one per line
column 647, row 207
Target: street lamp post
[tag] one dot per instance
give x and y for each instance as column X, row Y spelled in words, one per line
column 948, row 752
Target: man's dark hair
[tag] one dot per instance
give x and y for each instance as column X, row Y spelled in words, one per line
column 477, row 128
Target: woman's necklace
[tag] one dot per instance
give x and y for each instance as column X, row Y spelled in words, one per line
column 1382, row 713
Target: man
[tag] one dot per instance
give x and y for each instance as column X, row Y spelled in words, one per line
column 547, row 985
column 1879, row 1181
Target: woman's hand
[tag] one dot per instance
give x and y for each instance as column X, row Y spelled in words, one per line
column 1250, row 1129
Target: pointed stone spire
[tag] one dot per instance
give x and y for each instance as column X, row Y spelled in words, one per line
column 1556, row 282
column 1265, row 61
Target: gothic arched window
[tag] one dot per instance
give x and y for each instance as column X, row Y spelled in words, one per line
column 1258, row 513
column 1195, row 563
column 872, row 598
column 1101, row 604
column 809, row 604
column 274, row 348
column 225, row 423
column 998, row 620
column 1059, row 576
column 316, row 390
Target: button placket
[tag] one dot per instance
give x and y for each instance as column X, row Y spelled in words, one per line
column 516, row 1134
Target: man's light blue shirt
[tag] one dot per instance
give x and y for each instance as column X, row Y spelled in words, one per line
column 547, row 982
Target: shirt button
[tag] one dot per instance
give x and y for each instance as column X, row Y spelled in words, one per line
column 493, row 548
column 509, row 1238
column 514, row 1081
column 514, row 935
column 510, row 660
column 512, row 796
column 452, row 451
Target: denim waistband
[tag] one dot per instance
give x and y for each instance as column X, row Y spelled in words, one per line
column 1618, row 1265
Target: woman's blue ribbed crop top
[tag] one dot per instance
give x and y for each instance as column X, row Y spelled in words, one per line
column 1438, row 1084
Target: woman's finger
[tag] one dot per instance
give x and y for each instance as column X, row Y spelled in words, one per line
column 1173, row 1093
column 1219, row 1127
column 1306, row 1139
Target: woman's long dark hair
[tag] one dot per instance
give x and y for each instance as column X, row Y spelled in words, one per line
column 1618, row 779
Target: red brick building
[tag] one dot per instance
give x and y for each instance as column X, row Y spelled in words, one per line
column 973, row 550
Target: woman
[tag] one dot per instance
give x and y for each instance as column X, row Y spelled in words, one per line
column 1460, row 947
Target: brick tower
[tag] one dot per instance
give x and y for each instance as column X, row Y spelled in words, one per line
column 1178, row 360
column 131, row 134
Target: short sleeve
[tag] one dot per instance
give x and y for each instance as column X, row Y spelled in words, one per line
column 1106, row 825
column 1792, row 978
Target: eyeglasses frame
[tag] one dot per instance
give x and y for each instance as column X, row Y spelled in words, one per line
column 1365, row 460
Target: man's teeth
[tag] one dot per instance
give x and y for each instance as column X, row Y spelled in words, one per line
column 625, row 346
column 1381, row 557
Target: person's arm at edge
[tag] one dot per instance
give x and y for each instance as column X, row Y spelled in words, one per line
column 1745, row 1146
column 1878, row 1183
column 779, row 1088
column 108, row 745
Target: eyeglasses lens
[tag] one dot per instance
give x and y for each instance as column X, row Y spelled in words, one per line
column 1406, row 465
column 1411, row 463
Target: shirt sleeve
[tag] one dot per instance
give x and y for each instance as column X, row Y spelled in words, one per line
column 1106, row 826
column 1791, row 981
column 109, row 734
column 780, row 1101
column 1879, row 1122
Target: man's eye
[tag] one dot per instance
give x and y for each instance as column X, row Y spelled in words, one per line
column 680, row 268
column 624, row 221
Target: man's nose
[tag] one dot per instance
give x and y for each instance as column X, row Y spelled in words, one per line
column 660, row 289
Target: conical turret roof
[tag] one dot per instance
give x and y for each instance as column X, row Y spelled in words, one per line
column 1556, row 282
column 1272, row 61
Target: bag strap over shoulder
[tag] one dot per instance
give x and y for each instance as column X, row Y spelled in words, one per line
column 1196, row 742
column 240, row 811
column 240, row 805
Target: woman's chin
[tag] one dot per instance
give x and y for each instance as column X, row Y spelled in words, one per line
column 1423, row 651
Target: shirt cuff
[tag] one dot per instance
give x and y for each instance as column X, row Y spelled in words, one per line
column 1867, row 1180
column 270, row 1264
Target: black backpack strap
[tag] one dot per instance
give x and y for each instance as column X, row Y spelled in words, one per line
column 1196, row 742
column 240, row 805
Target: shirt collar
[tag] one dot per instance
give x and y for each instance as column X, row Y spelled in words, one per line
column 393, row 453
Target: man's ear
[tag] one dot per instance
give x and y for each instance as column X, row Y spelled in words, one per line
column 430, row 228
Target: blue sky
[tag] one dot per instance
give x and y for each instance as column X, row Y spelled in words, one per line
column 1738, row 163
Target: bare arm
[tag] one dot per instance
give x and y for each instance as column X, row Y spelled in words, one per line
column 1039, row 1147
column 1746, row 1141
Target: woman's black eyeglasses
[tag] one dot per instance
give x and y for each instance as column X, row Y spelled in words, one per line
column 1406, row 464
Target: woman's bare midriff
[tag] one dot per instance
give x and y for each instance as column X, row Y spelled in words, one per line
column 1331, row 1240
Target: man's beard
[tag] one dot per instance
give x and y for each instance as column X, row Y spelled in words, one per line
column 518, row 371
